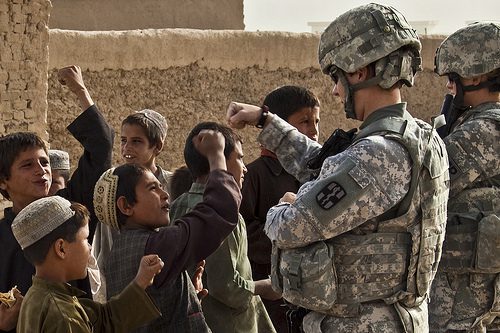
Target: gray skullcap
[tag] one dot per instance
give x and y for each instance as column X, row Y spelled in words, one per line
column 156, row 119
column 59, row 159
column 105, row 199
column 40, row 218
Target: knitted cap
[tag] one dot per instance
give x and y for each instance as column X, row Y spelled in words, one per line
column 40, row 218
column 59, row 159
column 156, row 119
column 105, row 198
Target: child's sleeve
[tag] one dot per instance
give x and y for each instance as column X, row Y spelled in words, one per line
column 123, row 312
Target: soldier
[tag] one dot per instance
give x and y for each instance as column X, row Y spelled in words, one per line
column 465, row 294
column 359, row 245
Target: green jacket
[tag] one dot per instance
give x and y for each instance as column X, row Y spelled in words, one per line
column 55, row 307
column 231, row 305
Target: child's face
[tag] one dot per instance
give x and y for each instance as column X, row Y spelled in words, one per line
column 58, row 182
column 135, row 146
column 152, row 203
column 235, row 164
column 30, row 178
column 306, row 120
column 78, row 254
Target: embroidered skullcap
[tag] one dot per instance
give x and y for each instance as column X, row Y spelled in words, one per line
column 40, row 218
column 105, row 198
column 59, row 159
column 156, row 119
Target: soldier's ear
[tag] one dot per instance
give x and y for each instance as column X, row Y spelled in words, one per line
column 124, row 207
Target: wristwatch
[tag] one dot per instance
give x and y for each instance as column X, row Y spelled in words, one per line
column 263, row 116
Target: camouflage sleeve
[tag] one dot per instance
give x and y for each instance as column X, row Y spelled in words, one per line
column 473, row 153
column 353, row 187
column 293, row 148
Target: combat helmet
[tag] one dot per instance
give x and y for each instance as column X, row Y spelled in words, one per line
column 368, row 34
column 471, row 51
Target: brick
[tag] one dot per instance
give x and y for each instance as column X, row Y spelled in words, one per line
column 7, row 115
column 29, row 113
column 18, row 115
column 19, row 104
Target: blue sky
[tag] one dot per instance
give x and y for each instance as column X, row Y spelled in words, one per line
column 293, row 15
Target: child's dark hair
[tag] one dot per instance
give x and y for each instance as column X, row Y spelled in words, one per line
column 197, row 163
column 37, row 252
column 285, row 101
column 128, row 178
column 180, row 182
column 11, row 146
column 152, row 130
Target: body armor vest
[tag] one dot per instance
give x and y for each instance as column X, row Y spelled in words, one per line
column 395, row 264
column 472, row 243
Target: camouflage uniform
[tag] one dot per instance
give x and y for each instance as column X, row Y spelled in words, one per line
column 466, row 292
column 351, row 218
column 368, row 231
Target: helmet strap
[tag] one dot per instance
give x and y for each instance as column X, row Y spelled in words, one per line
column 457, row 107
column 349, row 97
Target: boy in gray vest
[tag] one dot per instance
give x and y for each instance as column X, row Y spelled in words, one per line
column 359, row 245
column 130, row 198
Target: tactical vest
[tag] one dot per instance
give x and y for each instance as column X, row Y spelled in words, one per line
column 472, row 243
column 177, row 300
column 398, row 262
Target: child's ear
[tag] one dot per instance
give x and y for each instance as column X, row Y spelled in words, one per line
column 59, row 248
column 158, row 148
column 3, row 185
column 124, row 206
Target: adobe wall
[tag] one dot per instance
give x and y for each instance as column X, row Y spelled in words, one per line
column 191, row 76
column 24, row 42
column 91, row 15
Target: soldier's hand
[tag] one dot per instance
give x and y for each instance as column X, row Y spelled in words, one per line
column 264, row 289
column 149, row 267
column 239, row 115
column 288, row 197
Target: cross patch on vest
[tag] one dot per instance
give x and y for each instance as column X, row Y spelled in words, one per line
column 330, row 195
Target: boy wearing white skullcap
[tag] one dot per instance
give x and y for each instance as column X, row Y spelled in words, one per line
column 59, row 163
column 53, row 234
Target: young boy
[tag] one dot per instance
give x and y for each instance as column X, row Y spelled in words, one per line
column 53, row 234
column 25, row 176
column 131, row 199
column 233, row 303
column 141, row 140
column 59, row 164
column 266, row 181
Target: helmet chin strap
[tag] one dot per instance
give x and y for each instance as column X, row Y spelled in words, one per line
column 349, row 97
column 351, row 88
column 457, row 107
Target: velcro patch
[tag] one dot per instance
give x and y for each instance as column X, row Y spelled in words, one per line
column 330, row 195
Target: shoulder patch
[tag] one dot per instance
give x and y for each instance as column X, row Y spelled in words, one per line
column 330, row 195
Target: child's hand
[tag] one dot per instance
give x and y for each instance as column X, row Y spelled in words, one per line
column 210, row 144
column 9, row 315
column 71, row 77
column 198, row 282
column 149, row 267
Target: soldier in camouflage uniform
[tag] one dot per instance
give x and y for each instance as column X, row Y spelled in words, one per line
column 466, row 292
column 359, row 245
